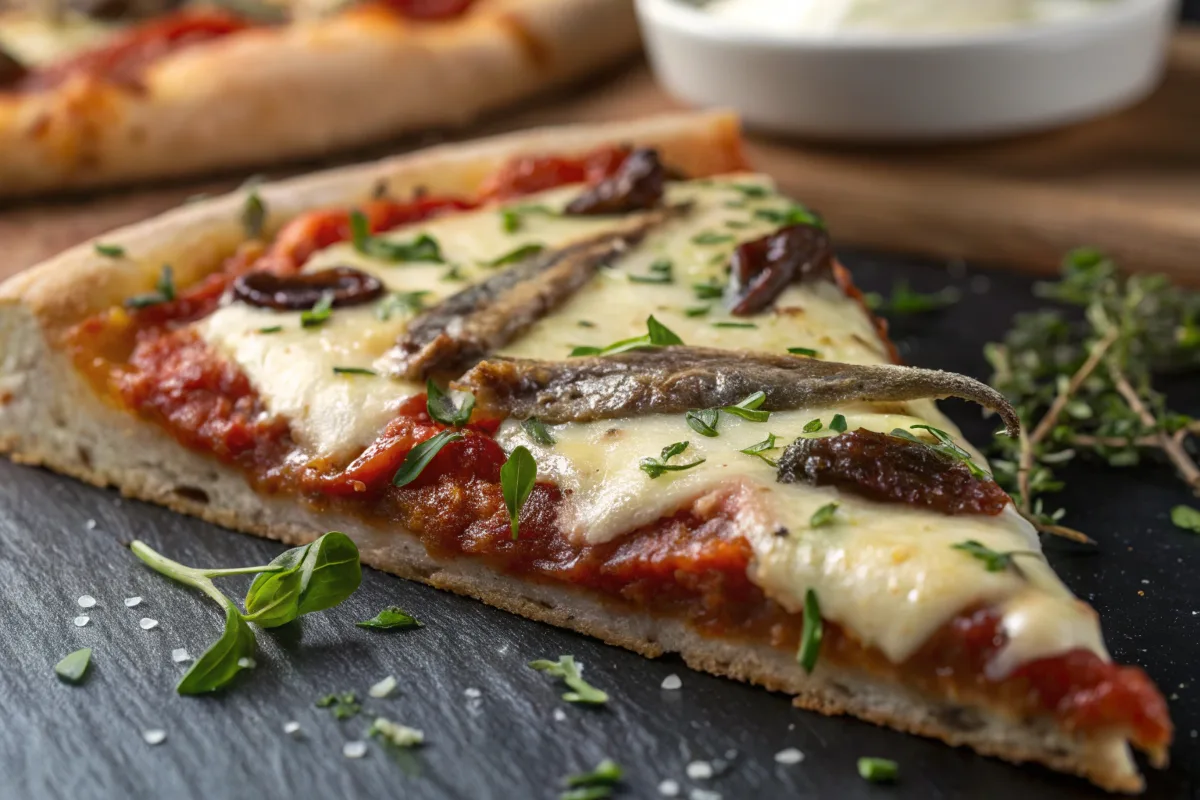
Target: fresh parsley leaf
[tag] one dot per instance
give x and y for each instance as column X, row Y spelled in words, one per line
column 254, row 215
column 1186, row 518
column 419, row 457
column 703, row 421
column 353, row 371
column 906, row 301
column 711, row 237
column 878, row 770
column 708, row 291
column 569, row 671
column 164, row 291
column 73, row 666
column 759, row 449
column 824, row 515
column 442, row 409
column 319, row 314
column 811, row 634
column 748, row 409
column 536, row 430
column 517, row 477
column 838, row 424
column 519, row 254
column 391, row 618
column 655, row 467
column 804, row 351
column 109, row 250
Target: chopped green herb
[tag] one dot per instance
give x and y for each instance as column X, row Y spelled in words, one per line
column 164, row 291
column 109, row 250
column 569, row 671
column 812, row 426
column 342, row 706
column 353, row 371
column 838, row 423
column 595, row 785
column 824, row 515
column 946, row 446
column 661, row 271
column 749, row 408
column 804, row 351
column 254, row 215
column 655, row 467
column 319, row 314
column 751, row 190
column 583, row 323
column 1186, row 518
column 657, row 335
column 906, row 301
column 423, row 248
column 519, row 254
column 271, row 329
column 510, row 220
column 993, row 560
column 746, row 325
column 73, row 666
column 811, row 634
column 696, row 311
column 796, row 215
column 391, row 618
column 736, row 224
column 759, row 449
column 708, row 291
column 454, row 274
column 536, row 430
column 419, row 457
column 711, row 237
column 517, row 477
column 703, row 421
column 442, row 409
column 878, row 770
column 400, row 302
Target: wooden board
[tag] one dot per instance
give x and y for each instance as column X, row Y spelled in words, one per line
column 1129, row 183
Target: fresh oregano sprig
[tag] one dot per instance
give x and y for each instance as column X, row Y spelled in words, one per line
column 301, row 580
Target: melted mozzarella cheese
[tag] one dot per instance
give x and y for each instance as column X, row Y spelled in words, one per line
column 37, row 41
column 887, row 572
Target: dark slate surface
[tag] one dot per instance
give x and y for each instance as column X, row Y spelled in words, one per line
column 84, row 742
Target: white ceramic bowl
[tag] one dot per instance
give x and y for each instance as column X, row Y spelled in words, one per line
column 911, row 87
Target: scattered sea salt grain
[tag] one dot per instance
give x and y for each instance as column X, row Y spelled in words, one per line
column 473, row 693
column 130, row 602
column 672, row 682
column 180, row 654
column 86, row 601
column 789, row 756
column 247, row 663
column 669, row 788
column 699, row 770
column 146, row 623
column 291, row 728
column 383, row 688
column 354, row 749
column 82, row 620
column 560, row 715
column 703, row 794
column 154, row 736
column 90, row 524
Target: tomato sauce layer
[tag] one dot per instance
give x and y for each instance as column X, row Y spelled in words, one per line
column 691, row 565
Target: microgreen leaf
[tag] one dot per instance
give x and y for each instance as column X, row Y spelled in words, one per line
column 537, row 431
column 73, row 666
column 696, row 311
column 749, row 408
column 319, row 314
column 759, row 449
column 419, row 457
column 812, row 426
column 569, row 671
column 310, row 578
column 811, row 634
column 442, row 409
column 947, row 446
column 655, row 467
column 517, row 477
column 606, row 772
column 661, row 271
column 271, row 329
column 703, row 421
column 711, row 237
column 222, row 661
column 391, row 618
column 1186, row 518
column 824, row 515
column 795, row 215
column 737, row 325
column 657, row 335
column 424, row 248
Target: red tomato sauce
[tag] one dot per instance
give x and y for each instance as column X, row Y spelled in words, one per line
column 690, row 566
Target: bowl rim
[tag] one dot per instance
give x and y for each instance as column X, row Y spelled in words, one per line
column 693, row 21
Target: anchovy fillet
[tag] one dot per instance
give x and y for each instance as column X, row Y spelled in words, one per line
column 675, row 379
column 468, row 325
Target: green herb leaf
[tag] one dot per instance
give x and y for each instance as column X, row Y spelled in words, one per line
column 838, row 424
column 657, row 335
column 993, row 560
column 271, row 329
column 743, row 325
column 223, row 660
column 711, row 237
column 391, row 618
column 510, row 220
column 442, row 409
column 537, row 431
column 708, row 291
column 946, row 446
column 661, row 271
column 254, row 215
column 109, row 250
column 824, row 515
column 353, row 371
column 519, row 254
column 306, row 579
column 812, row 426
column 749, row 408
column 760, row 448
column 811, row 633
column 804, row 351
column 697, row 311
column 569, row 671
column 878, row 770
column 73, row 666
column 319, row 314
column 1186, row 518
column 424, row 248
column 703, row 421
column 517, row 478
column 751, row 190
column 400, row 303
column 419, row 457
column 795, row 215
column 342, row 706
column 606, row 772
column 164, row 291
column 655, row 467
column 906, row 301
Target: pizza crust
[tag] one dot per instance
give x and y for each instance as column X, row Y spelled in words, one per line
column 306, row 89
column 49, row 416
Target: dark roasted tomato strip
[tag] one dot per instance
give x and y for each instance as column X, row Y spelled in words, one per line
column 531, row 174
column 428, row 9
column 890, row 469
column 635, row 186
column 125, row 58
column 761, row 269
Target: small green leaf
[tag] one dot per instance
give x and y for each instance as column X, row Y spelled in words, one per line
column 796, row 215
column 811, row 633
column 391, row 618
column 538, row 432
column 748, row 409
column 751, row 190
column 310, row 578
column 606, row 772
column 419, row 457
column 164, row 291
column 400, row 303
column 1186, row 518
column 442, row 409
column 220, row 662
column 838, row 424
column 319, row 314
column 993, row 560
column 812, row 426
column 878, row 770
column 517, row 478
column 655, row 467
column 109, row 250
column 73, row 666
column 804, row 351
column 566, row 668
column 661, row 335
column 424, row 248
column 708, row 291
column 703, row 421
column 661, row 271
column 824, row 515
column 657, row 335
column 697, row 311
column 519, row 254
column 906, row 301
column 271, row 329
column 759, row 449
column 353, row 371
column 510, row 220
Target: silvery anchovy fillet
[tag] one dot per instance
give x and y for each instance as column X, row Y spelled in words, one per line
column 675, row 379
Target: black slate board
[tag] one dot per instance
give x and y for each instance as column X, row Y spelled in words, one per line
column 85, row 742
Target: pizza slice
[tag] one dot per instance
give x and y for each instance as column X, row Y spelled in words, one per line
column 105, row 91
column 604, row 377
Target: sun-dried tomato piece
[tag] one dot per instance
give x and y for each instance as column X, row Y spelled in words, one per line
column 761, row 269
column 890, row 469
column 637, row 185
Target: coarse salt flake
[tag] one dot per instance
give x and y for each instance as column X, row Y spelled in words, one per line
column 354, row 749
column 82, row 620
column 154, row 736
column 180, row 654
column 245, row 662
column 703, row 794
column 291, row 728
column 90, row 524
column 473, row 693
column 560, row 715
column 86, row 601
column 146, row 623
column 130, row 602
column 384, row 688
column 669, row 788
column 699, row 770
column 789, row 755
column 672, row 682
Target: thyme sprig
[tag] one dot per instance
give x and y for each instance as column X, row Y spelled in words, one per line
column 1085, row 386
